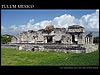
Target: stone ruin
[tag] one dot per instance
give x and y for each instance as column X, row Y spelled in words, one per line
column 72, row 40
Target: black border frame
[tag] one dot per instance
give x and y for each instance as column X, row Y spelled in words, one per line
column 50, row 4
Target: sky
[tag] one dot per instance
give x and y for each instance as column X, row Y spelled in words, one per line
column 15, row 21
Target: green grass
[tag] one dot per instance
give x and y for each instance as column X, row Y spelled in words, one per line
column 13, row 57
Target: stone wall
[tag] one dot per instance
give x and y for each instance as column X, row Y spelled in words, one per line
column 9, row 46
column 71, row 49
column 81, row 38
column 67, row 39
column 53, row 47
column 91, row 48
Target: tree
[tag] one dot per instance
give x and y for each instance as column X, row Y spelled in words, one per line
column 5, row 39
column 96, row 40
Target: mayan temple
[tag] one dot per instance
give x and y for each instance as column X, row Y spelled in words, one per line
column 71, row 40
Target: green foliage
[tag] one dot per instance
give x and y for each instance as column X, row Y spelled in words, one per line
column 26, row 58
column 5, row 39
column 96, row 39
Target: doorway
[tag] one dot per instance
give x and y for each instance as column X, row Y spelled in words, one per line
column 49, row 39
column 58, row 42
column 32, row 49
column 73, row 40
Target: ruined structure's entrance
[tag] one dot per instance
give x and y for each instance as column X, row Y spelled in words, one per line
column 32, row 49
column 73, row 40
column 58, row 42
column 49, row 39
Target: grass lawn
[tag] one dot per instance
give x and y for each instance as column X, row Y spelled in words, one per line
column 13, row 57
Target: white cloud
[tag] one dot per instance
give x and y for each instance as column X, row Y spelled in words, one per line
column 41, row 25
column 13, row 28
column 28, row 26
column 89, row 21
column 2, row 27
column 97, row 10
column 63, row 21
column 30, row 22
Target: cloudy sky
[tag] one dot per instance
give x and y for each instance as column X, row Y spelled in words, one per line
column 15, row 21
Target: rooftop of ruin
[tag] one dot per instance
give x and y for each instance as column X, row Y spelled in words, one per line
column 50, row 28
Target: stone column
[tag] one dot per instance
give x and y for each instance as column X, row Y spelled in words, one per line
column 45, row 39
column 76, row 38
column 52, row 39
column 91, row 40
column 83, row 38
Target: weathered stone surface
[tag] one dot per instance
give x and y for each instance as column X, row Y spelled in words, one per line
column 50, row 27
column 72, row 40
column 9, row 46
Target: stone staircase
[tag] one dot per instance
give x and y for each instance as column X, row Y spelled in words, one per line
column 66, row 49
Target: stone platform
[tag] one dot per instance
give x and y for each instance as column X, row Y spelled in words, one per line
column 67, row 48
